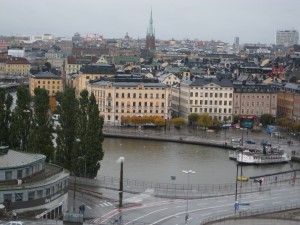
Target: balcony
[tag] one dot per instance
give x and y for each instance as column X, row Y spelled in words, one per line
column 108, row 98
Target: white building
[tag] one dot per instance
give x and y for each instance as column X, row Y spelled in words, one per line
column 16, row 52
column 287, row 37
column 203, row 95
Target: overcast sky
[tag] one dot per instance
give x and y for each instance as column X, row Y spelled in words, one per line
column 253, row 20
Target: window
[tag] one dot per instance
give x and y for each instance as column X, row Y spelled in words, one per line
column 128, row 95
column 134, row 95
column 191, row 102
column 211, row 95
column 8, row 175
column 221, row 95
column 157, row 95
column 19, row 197
column 19, row 174
column 196, row 94
column 216, row 95
column 48, row 192
column 191, row 94
column 140, row 95
column 163, row 96
column 31, row 195
column 122, row 95
column 206, row 95
column 146, row 95
column 151, row 95
column 117, row 95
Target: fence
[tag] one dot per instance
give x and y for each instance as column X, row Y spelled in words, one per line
column 249, row 213
column 172, row 190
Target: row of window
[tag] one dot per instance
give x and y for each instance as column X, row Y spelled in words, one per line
column 53, row 82
column 140, row 95
column 38, row 194
column 252, row 112
column 23, row 172
column 134, row 104
column 210, row 88
column 210, row 110
column 210, row 102
column 257, row 104
column 257, row 96
column 135, row 111
column 211, row 95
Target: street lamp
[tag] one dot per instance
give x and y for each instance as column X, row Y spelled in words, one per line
column 84, row 158
column 187, row 193
column 121, row 161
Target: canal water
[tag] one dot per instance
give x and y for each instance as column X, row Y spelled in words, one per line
column 156, row 161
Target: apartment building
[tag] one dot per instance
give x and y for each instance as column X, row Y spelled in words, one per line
column 14, row 66
column 119, row 98
column 289, row 102
column 254, row 99
column 203, row 95
column 49, row 81
column 92, row 72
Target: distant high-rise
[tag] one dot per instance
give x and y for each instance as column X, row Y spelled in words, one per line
column 150, row 36
column 236, row 41
column 287, row 37
column 236, row 44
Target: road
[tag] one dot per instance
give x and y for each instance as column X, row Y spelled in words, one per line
column 145, row 209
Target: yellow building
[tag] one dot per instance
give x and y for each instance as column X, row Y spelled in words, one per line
column 15, row 66
column 49, row 81
column 117, row 99
column 92, row 72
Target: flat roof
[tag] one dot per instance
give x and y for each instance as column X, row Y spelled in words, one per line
column 15, row 159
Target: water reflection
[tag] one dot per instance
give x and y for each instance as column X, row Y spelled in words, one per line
column 158, row 161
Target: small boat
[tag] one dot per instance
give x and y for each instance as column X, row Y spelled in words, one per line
column 242, row 178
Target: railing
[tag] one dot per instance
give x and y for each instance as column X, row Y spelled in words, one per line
column 250, row 213
column 170, row 190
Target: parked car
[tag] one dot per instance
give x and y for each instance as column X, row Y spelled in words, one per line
column 265, row 142
column 250, row 141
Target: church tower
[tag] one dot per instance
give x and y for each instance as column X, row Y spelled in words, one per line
column 150, row 36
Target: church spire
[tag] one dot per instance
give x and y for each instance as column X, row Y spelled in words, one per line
column 150, row 28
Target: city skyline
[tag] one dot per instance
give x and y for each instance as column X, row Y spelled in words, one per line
column 255, row 22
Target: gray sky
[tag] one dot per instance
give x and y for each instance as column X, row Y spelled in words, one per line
column 252, row 20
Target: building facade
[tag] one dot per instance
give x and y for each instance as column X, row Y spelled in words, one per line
column 254, row 99
column 203, row 95
column 27, row 183
column 49, row 81
column 92, row 72
column 117, row 99
column 289, row 102
column 14, row 66
column 287, row 37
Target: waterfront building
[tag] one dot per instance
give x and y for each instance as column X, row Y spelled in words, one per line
column 27, row 183
column 92, row 72
column 289, row 102
column 203, row 95
column 131, row 97
column 287, row 37
column 150, row 36
column 251, row 99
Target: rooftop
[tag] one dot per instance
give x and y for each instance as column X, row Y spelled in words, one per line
column 46, row 75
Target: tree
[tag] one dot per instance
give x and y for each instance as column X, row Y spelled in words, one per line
column 21, row 120
column 158, row 121
column 40, row 137
column 67, row 131
column 266, row 119
column 193, row 118
column 178, row 122
column 205, row 120
column 5, row 116
column 236, row 118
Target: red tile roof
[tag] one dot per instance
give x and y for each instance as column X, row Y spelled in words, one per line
column 17, row 60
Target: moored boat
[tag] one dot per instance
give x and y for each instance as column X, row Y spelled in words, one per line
column 268, row 155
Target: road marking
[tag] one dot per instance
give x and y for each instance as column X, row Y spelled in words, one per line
column 199, row 204
column 88, row 207
column 179, row 206
column 97, row 206
column 206, row 214
column 146, row 215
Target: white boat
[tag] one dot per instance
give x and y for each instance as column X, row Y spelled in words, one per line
column 268, row 155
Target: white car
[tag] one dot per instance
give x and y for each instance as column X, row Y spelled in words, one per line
column 15, row 223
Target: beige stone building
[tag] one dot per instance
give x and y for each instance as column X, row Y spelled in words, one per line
column 14, row 66
column 252, row 99
column 203, row 95
column 169, row 79
column 117, row 99
column 92, row 72
column 49, row 81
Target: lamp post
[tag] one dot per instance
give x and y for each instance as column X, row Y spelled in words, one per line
column 187, row 192
column 84, row 158
column 121, row 161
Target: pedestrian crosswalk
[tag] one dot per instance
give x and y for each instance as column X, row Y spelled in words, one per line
column 105, row 204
